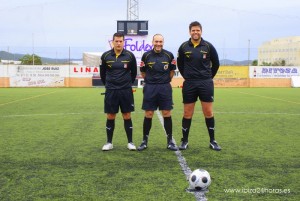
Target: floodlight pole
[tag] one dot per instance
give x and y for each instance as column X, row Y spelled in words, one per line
column 33, row 49
column 8, row 52
column 249, row 52
column 69, row 56
column 132, row 9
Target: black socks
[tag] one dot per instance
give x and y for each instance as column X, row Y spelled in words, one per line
column 210, row 124
column 110, row 126
column 146, row 128
column 186, row 124
column 128, row 129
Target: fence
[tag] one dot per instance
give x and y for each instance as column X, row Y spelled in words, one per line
column 88, row 76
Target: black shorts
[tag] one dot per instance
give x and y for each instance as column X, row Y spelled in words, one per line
column 157, row 96
column 204, row 89
column 122, row 98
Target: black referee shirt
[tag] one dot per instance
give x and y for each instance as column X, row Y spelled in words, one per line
column 118, row 72
column 200, row 62
column 157, row 66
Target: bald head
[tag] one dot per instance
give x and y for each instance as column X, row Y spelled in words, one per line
column 158, row 42
column 158, row 36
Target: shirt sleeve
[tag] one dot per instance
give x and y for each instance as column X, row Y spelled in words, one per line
column 172, row 63
column 103, row 70
column 142, row 64
column 214, row 61
column 180, row 63
column 133, row 68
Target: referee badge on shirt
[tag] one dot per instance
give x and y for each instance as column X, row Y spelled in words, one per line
column 166, row 67
column 203, row 53
column 125, row 65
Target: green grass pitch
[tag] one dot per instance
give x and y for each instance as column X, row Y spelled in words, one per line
column 51, row 140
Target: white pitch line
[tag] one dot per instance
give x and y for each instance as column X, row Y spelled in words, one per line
column 266, row 97
column 53, row 114
column 31, row 97
column 257, row 113
column 200, row 196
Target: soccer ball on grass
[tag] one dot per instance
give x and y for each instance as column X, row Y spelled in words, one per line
column 199, row 179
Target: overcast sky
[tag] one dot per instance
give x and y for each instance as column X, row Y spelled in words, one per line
column 50, row 27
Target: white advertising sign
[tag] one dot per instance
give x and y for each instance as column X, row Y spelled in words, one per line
column 273, row 71
column 37, row 76
column 84, row 71
column 3, row 71
column 295, row 81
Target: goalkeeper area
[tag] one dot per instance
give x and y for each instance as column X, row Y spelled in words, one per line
column 51, row 140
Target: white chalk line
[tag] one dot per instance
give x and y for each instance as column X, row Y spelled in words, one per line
column 28, row 98
column 266, row 97
column 199, row 195
column 53, row 114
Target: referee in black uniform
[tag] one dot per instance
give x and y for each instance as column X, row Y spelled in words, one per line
column 157, row 68
column 118, row 71
column 198, row 63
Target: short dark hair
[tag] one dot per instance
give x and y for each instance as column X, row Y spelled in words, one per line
column 194, row 24
column 118, row 34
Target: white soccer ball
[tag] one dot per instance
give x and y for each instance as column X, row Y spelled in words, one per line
column 199, row 179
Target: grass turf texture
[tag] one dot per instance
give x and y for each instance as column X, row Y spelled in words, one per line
column 51, row 140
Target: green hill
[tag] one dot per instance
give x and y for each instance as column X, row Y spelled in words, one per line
column 15, row 56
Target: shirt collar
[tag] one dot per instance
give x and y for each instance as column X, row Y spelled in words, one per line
column 201, row 42
column 157, row 52
column 113, row 52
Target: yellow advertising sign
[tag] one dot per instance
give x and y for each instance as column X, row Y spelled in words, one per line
column 233, row 72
